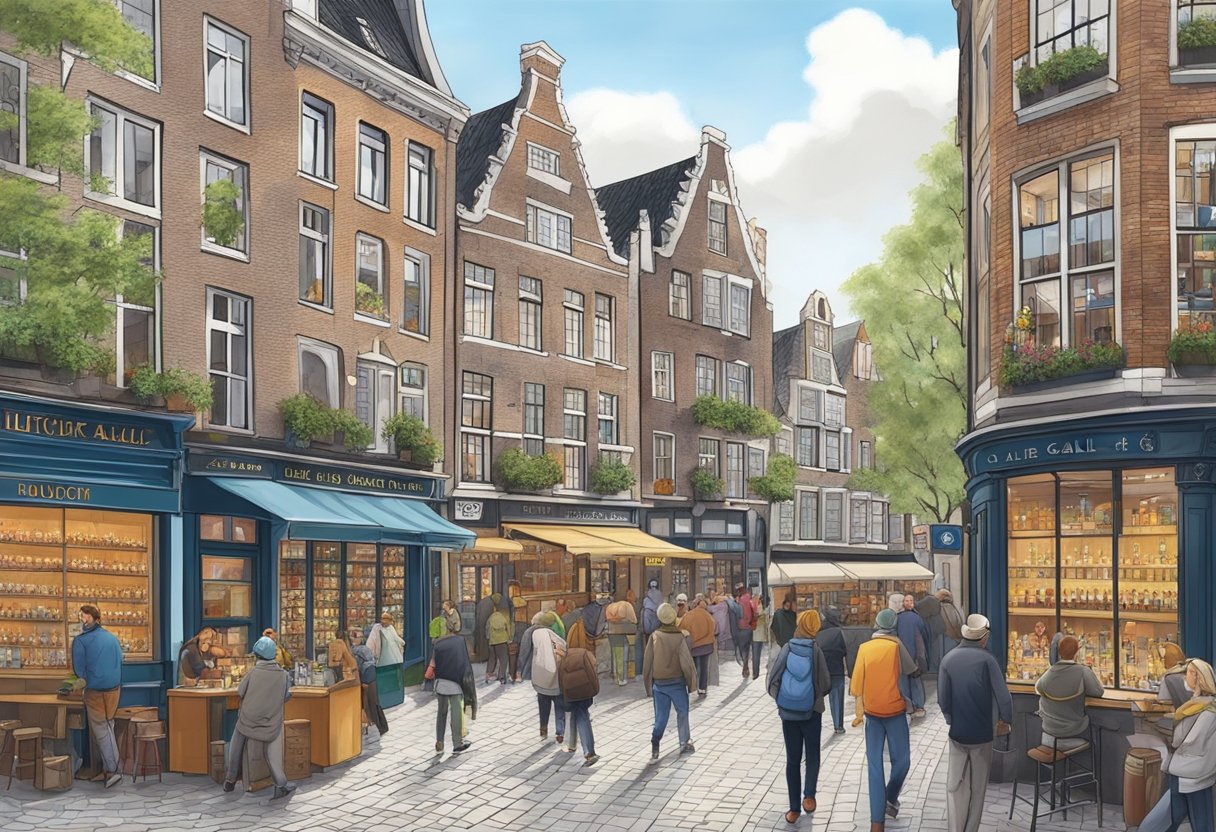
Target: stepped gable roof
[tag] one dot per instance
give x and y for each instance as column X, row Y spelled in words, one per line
column 481, row 139
column 843, row 340
column 788, row 352
column 655, row 192
column 385, row 23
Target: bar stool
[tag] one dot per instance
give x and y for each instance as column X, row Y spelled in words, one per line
column 147, row 733
column 7, row 727
column 1050, row 757
column 25, row 739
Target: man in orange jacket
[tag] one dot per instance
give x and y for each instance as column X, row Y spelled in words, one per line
column 881, row 664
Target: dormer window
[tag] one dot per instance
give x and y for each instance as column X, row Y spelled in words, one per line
column 717, row 226
column 369, row 37
column 544, row 159
column 822, row 334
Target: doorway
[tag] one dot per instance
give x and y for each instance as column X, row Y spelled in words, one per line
column 476, row 582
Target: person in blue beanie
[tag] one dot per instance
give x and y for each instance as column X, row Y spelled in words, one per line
column 263, row 692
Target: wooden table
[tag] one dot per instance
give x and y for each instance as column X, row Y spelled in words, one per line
column 41, row 710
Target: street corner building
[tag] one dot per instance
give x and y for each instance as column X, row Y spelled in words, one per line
column 1091, row 448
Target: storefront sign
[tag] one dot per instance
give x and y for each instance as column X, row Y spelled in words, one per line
column 566, row 513
column 79, row 430
column 721, row 546
column 1098, row 445
column 655, row 561
column 231, row 466
column 947, row 538
column 468, row 509
column 94, row 494
column 303, row 473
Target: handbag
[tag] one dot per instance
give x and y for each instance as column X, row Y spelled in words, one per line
column 429, row 673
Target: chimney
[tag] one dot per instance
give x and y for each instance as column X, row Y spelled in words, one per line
column 541, row 58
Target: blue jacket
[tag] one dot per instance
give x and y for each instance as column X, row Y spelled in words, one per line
column 968, row 682
column 97, row 658
column 909, row 626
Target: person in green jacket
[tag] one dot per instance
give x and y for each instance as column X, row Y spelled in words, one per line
column 785, row 621
column 498, row 635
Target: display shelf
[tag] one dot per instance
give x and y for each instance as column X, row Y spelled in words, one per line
column 142, row 548
column 1031, row 534
column 31, row 620
column 89, row 599
column 29, row 595
column 1087, row 531
column 41, row 543
column 1149, row 531
column 4, row 568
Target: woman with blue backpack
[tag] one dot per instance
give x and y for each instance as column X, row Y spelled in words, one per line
column 798, row 680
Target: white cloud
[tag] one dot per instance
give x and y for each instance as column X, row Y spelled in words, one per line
column 826, row 187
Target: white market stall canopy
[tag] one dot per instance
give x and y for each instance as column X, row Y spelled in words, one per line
column 809, row 572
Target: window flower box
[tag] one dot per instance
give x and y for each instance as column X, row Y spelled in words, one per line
column 1027, row 368
column 705, row 486
column 522, row 473
column 665, row 487
column 1197, row 42
column 1059, row 73
column 1192, row 350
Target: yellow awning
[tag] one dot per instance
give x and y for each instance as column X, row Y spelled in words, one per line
column 604, row 541
column 787, row 573
column 494, row 546
column 885, row 571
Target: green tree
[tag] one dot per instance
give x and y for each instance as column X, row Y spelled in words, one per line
column 74, row 261
column 912, row 303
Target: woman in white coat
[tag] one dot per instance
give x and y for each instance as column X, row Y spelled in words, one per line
column 1191, row 770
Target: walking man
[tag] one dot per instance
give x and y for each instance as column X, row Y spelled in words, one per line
column 747, row 630
column 579, row 684
column 832, row 645
column 785, row 621
column 546, row 651
column 969, row 681
column 622, row 628
column 454, row 687
column 669, row 675
column 97, row 662
column 877, row 684
column 498, row 635
column 703, row 633
column 915, row 636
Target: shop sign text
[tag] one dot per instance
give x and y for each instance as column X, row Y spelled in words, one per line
column 1110, row 446
column 356, row 480
column 468, row 509
column 569, row 513
column 55, row 427
column 32, row 490
column 655, row 561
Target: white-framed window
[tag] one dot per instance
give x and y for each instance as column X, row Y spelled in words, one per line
column 833, row 415
column 478, row 300
column 531, row 312
column 316, row 137
column 878, row 522
column 574, row 429
column 413, row 389
column 807, row 451
column 661, row 367
column 679, row 297
column 810, row 405
column 135, row 315
column 1060, row 25
column 227, row 87
column 736, row 481
column 831, row 450
column 821, row 334
column 416, row 292
column 122, row 159
column 711, row 300
column 717, row 226
column 1080, row 272
column 865, row 455
column 1194, row 217
column 785, row 521
column 12, row 278
column 863, row 360
column 572, row 313
column 608, row 424
column 316, row 268
column 604, row 340
column 214, row 168
column 707, row 455
column 13, row 96
column 143, row 16
column 548, row 228
column 740, row 308
column 982, row 92
column 707, row 375
column 833, row 516
column 373, row 164
column 859, row 519
column 808, row 515
column 738, row 382
column 784, row 441
column 534, row 418
column 755, row 464
column 664, row 447
column 476, row 422
column 319, row 363
column 821, row 367
column 370, row 296
column 375, row 398
column 895, row 528
column 230, row 359
column 543, row 159
column 419, row 184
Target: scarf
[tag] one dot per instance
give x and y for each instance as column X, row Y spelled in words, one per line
column 670, row 628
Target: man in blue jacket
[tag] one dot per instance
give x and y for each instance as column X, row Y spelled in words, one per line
column 968, row 682
column 97, row 662
column 914, row 633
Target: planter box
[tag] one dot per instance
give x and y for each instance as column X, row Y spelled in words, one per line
column 176, row 403
column 1052, row 90
column 292, row 441
column 1067, row 381
column 1197, row 56
column 1194, row 370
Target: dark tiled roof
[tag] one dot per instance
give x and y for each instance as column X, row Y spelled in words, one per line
column 788, row 359
column 654, row 191
column 381, row 15
column 843, row 339
column 480, row 140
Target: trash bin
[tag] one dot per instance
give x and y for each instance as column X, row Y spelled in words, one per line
column 1141, row 783
column 390, row 684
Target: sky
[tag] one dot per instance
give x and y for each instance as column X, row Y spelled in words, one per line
column 826, row 105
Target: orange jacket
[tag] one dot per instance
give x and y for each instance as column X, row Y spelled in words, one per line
column 875, row 681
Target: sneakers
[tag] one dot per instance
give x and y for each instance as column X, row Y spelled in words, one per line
column 559, row 739
column 113, row 780
column 654, row 751
column 892, row 809
column 688, row 748
column 700, row 694
column 544, row 732
column 839, row 730
column 229, row 785
column 283, row 792
column 919, row 713
column 591, row 759
column 464, row 746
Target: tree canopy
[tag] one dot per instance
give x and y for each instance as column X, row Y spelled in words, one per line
column 912, row 302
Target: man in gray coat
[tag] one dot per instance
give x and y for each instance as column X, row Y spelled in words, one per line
column 1062, row 691
column 263, row 692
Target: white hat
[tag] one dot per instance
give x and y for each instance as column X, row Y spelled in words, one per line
column 976, row 627
column 681, row 598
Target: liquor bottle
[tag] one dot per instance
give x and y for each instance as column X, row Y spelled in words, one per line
column 1161, row 550
column 1153, row 517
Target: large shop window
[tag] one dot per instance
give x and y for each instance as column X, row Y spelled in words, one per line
column 54, row 560
column 1094, row 554
column 542, row 568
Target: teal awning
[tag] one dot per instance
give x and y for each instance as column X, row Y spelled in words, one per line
column 318, row 514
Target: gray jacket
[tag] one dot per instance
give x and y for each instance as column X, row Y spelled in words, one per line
column 263, row 692
column 1062, row 691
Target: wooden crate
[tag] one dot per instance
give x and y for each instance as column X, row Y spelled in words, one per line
column 297, row 749
column 54, row 774
column 219, row 760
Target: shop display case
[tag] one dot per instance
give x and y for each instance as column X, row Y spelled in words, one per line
column 293, row 596
column 392, row 581
column 326, row 592
column 360, row 609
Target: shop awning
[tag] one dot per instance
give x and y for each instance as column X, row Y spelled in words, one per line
column 885, row 570
column 494, row 546
column 787, row 574
column 318, row 514
column 605, row 541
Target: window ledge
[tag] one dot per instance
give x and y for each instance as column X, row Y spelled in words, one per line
column 409, row 334
column 502, row 345
column 417, row 226
column 240, row 128
column 310, row 305
column 1193, row 75
column 603, row 362
column 367, row 319
column 125, row 204
column 316, row 180
column 1070, row 98
column 222, row 251
column 30, row 173
column 576, row 360
column 371, row 203
column 138, row 80
column 550, row 179
column 670, row 498
column 627, row 449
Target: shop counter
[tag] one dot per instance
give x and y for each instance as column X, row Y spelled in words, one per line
column 196, row 719
column 336, row 716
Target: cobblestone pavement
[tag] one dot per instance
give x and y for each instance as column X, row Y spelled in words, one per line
column 511, row 780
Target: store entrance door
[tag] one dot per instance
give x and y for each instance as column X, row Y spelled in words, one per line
column 476, row 582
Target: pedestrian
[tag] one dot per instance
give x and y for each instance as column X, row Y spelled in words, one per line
column 834, row 649
column 366, row 663
column 785, row 621
column 669, row 675
column 638, row 642
column 746, row 628
column 455, row 689
column 525, row 647
column 485, row 606
column 969, row 682
column 579, row 684
column 798, row 680
column 929, row 608
column 915, row 637
column 952, row 621
column 882, row 661
column 498, row 635
column 595, row 624
column 282, row 656
column 721, row 613
column 198, row 658
column 546, row 651
column 452, row 615
column 681, row 607
column 519, row 623
column 97, row 662
column 263, row 692
column 388, row 647
column 650, row 609
column 702, row 633
column 340, row 659
column 1062, row 690
column 1190, row 771
column 763, row 634
column 622, row 628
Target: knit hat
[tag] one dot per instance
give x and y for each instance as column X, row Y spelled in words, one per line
column 681, row 598
column 667, row 614
column 808, row 624
column 1173, row 654
column 885, row 619
column 265, row 648
column 976, row 627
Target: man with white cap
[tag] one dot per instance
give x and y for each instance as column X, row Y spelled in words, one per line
column 968, row 682
column 681, row 607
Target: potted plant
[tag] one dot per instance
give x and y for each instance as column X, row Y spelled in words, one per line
column 356, row 436
column 181, row 391
column 369, row 302
column 665, row 486
column 223, row 222
column 611, row 476
column 1197, row 42
column 777, row 485
column 304, row 419
column 1192, row 350
column 520, row 471
column 1028, row 368
column 705, row 486
column 412, row 439
column 734, row 417
column 1060, row 72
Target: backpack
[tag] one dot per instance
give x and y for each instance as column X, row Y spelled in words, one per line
column 615, row 613
column 366, row 662
column 953, row 620
column 747, row 614
column 797, row 692
column 498, row 629
column 438, row 627
column 578, row 676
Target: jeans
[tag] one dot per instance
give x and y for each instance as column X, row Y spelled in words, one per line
column 801, row 740
column 450, row 704
column 702, row 663
column 667, row 693
column 893, row 731
column 836, row 701
column 274, row 757
column 1174, row 806
column 743, row 648
column 100, row 707
column 913, row 690
column 580, row 725
column 757, row 652
column 545, row 703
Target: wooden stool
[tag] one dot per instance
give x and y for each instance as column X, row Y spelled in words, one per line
column 147, row 733
column 7, row 727
column 25, row 739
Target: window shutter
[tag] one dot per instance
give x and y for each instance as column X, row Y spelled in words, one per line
column 363, row 395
